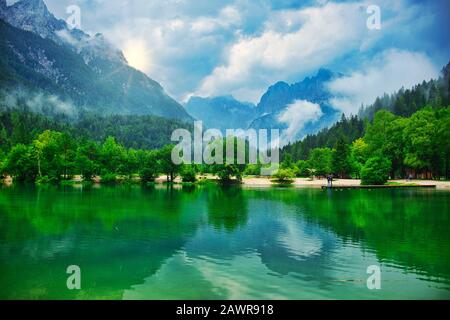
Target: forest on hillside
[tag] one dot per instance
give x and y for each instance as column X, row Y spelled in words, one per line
column 407, row 132
column 394, row 142
column 20, row 125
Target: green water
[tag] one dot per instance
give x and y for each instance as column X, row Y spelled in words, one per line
column 223, row 243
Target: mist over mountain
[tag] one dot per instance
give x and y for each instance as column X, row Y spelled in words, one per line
column 40, row 53
column 296, row 109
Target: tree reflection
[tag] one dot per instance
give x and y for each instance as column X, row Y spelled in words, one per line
column 227, row 207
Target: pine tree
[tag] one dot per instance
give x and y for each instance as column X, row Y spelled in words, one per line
column 341, row 164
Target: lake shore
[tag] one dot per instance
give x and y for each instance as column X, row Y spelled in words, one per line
column 318, row 183
column 263, row 182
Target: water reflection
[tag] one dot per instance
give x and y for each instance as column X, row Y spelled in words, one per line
column 227, row 207
column 222, row 242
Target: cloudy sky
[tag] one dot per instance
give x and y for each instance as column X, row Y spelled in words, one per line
column 240, row 47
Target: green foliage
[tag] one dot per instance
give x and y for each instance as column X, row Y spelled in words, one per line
column 303, row 168
column 2, row 165
column 225, row 172
column 434, row 93
column 167, row 166
column 341, row 161
column 320, row 160
column 55, row 153
column 20, row 163
column 253, row 169
column 229, row 167
column 148, row 175
column 407, row 149
column 420, row 140
column 47, row 180
column 149, row 167
column 385, row 136
column 97, row 86
column 131, row 131
column 375, row 171
column 418, row 144
column 442, row 141
column 352, row 128
column 284, row 176
column 287, row 162
column 86, row 160
column 112, row 156
column 188, row 173
column 108, row 178
column 20, row 125
column 359, row 155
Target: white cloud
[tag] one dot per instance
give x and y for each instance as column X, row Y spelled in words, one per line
column 315, row 36
column 296, row 116
column 239, row 47
column 386, row 73
column 37, row 101
column 180, row 48
column 228, row 17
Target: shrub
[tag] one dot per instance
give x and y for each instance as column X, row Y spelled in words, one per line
column 375, row 171
column 284, row 176
column 253, row 170
column 302, row 168
column 108, row 178
column 225, row 172
column 148, row 175
column 20, row 164
column 188, row 174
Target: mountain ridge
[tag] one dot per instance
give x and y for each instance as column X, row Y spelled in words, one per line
column 36, row 45
column 266, row 114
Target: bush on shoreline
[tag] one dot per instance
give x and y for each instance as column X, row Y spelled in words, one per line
column 375, row 171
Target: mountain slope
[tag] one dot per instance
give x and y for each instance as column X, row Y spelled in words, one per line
column 405, row 102
column 46, row 55
column 297, row 109
column 221, row 112
column 20, row 125
column 311, row 89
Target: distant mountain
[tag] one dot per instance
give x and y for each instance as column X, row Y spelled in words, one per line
column 434, row 93
column 282, row 106
column 277, row 100
column 221, row 112
column 46, row 55
column 310, row 89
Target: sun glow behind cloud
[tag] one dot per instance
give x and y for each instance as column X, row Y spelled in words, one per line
column 137, row 54
column 240, row 47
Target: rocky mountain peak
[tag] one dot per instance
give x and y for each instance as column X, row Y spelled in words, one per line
column 32, row 4
column 32, row 15
column 36, row 9
column 324, row 74
column 97, row 76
